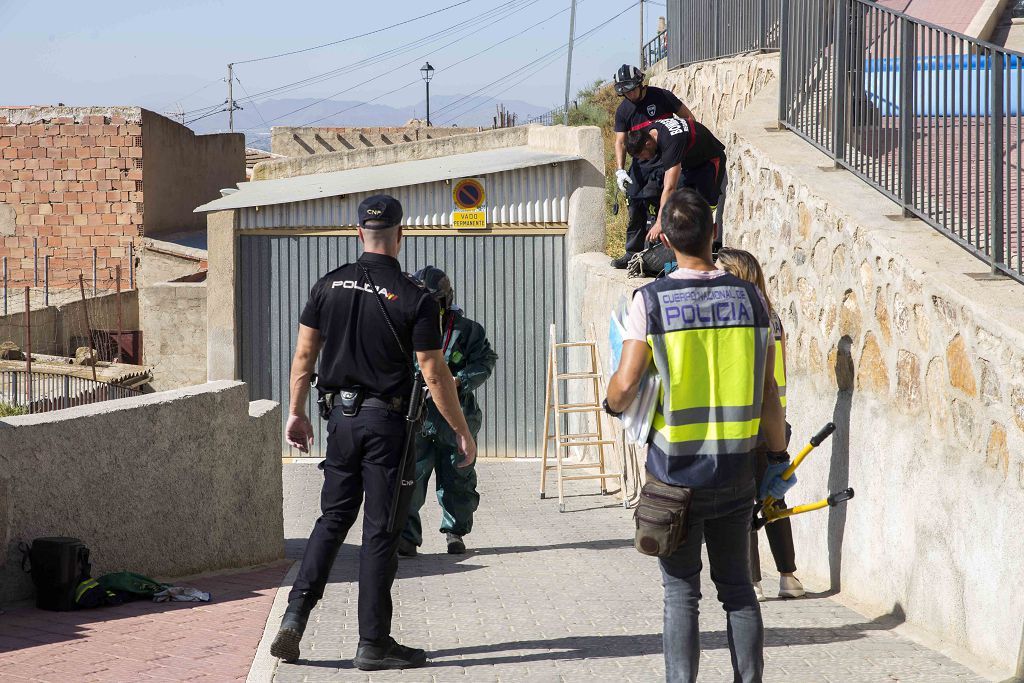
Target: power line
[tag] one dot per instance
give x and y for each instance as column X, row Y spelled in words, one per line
column 253, row 103
column 191, row 121
column 553, row 54
column 425, row 40
column 194, row 92
column 411, row 83
column 361, row 35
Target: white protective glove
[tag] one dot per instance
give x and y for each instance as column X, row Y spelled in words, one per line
column 622, row 179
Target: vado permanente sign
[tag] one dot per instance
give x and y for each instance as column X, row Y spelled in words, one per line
column 469, row 197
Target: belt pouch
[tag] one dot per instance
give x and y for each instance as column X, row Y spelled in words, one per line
column 349, row 400
column 661, row 517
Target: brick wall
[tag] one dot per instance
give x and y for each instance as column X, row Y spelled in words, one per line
column 75, row 183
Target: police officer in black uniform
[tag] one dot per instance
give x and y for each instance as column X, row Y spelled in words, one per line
column 366, row 354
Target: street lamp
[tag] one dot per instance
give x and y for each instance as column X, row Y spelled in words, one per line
column 427, row 72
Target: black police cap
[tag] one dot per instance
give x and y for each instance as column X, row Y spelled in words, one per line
column 380, row 208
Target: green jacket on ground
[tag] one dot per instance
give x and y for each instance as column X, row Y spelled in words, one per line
column 471, row 360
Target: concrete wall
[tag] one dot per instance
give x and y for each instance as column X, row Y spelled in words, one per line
column 165, row 261
column 893, row 338
column 183, row 170
column 221, row 316
column 406, row 151
column 300, row 141
column 55, row 328
column 172, row 316
column 167, row 484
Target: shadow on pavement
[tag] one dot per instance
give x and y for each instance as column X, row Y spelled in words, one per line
column 25, row 626
column 638, row 645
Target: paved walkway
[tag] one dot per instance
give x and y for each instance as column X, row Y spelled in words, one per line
column 545, row 596
column 144, row 641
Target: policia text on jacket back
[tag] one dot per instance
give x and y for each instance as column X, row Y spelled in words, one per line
column 708, row 334
column 365, row 320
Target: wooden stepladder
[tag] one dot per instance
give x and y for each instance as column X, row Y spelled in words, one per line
column 564, row 441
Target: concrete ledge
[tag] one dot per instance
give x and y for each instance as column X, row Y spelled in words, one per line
column 167, row 484
column 377, row 156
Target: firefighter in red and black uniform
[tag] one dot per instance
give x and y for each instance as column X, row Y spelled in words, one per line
column 641, row 105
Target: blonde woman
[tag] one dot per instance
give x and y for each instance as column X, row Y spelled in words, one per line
column 743, row 265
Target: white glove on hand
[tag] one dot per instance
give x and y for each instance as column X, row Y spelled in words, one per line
column 622, row 179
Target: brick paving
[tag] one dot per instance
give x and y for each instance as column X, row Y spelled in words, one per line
column 145, row 641
column 545, row 596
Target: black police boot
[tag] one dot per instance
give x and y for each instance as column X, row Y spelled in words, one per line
column 406, row 548
column 293, row 625
column 622, row 262
column 388, row 654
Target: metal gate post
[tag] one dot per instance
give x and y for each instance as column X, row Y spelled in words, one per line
column 996, row 66
column 908, row 46
column 839, row 81
column 783, row 66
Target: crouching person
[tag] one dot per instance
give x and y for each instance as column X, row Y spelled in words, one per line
column 471, row 361
column 709, row 336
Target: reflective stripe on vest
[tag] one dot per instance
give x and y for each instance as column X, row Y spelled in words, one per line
column 710, row 341
column 780, row 372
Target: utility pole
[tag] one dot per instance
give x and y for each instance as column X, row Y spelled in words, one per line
column 231, row 99
column 642, row 65
column 568, row 66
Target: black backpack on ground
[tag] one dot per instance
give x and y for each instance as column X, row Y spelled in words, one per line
column 58, row 564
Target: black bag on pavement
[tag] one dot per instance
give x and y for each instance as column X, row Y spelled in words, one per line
column 58, row 565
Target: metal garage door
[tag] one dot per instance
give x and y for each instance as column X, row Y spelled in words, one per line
column 514, row 285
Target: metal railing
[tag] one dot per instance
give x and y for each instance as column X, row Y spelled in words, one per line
column 700, row 30
column 655, row 50
column 929, row 117
column 40, row 392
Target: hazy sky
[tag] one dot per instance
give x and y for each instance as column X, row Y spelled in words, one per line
column 168, row 54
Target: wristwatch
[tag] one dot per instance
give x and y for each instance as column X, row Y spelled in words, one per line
column 604, row 404
column 776, row 457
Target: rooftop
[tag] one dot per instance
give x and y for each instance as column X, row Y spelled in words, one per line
column 333, row 184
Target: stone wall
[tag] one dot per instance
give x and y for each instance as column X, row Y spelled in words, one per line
column 895, row 337
column 717, row 92
column 166, row 485
column 300, row 141
column 404, row 151
column 173, row 319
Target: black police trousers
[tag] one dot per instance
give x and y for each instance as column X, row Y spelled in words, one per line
column 363, row 454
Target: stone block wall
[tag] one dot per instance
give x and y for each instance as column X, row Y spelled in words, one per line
column 298, row 141
column 172, row 316
column 896, row 336
column 168, row 484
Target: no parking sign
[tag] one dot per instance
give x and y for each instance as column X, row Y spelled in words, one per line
column 469, row 197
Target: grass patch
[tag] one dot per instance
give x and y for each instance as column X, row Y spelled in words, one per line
column 8, row 410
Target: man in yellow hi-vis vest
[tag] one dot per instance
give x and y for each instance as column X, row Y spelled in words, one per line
column 709, row 336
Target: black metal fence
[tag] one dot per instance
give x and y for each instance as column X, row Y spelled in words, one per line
column 655, row 50
column 39, row 392
column 929, row 117
column 700, row 30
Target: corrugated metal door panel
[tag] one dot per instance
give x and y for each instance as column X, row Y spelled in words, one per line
column 539, row 194
column 512, row 285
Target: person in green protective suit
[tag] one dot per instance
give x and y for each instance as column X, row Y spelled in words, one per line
column 471, row 360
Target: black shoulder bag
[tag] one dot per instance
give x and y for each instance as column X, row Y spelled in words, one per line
column 413, row 417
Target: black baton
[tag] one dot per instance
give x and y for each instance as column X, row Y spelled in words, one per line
column 412, row 423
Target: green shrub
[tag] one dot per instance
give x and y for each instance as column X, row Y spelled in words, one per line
column 8, row 410
column 596, row 105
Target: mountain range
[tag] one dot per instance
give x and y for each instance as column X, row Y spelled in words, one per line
column 255, row 120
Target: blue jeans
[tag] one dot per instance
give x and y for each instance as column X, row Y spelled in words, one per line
column 721, row 517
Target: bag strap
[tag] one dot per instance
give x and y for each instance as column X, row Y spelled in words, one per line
column 387, row 317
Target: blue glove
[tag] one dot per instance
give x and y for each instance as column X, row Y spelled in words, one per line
column 772, row 484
